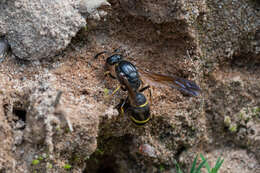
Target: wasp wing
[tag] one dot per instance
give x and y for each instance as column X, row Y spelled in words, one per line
column 160, row 80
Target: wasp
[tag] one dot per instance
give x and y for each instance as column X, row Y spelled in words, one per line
column 135, row 105
column 116, row 67
column 131, row 78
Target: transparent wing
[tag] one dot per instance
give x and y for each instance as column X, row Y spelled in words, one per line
column 160, row 80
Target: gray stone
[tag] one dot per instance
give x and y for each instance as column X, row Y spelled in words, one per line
column 38, row 29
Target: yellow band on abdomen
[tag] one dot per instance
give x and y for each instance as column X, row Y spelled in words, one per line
column 138, row 121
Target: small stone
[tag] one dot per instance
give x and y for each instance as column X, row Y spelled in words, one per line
column 147, row 150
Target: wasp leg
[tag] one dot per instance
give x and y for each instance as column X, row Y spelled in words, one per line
column 110, row 75
column 100, row 53
column 150, row 91
column 107, row 73
column 113, row 92
column 144, row 88
column 122, row 106
column 151, row 96
column 119, row 105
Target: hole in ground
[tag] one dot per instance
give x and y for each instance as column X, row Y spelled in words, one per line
column 106, row 163
column 21, row 114
column 20, row 118
column 110, row 155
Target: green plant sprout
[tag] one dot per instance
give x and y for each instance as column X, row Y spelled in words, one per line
column 201, row 165
column 216, row 167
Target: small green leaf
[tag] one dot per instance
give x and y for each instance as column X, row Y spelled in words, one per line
column 200, row 166
column 178, row 167
column 194, row 165
column 206, row 164
column 217, row 166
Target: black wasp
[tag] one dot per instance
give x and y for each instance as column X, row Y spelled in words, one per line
column 131, row 79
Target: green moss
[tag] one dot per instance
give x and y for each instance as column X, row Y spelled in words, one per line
column 86, row 28
column 161, row 168
column 49, row 165
column 106, row 92
column 233, row 128
column 67, row 130
column 35, row 162
column 40, row 158
column 99, row 151
column 256, row 111
column 67, row 166
column 244, row 116
column 227, row 121
column 58, row 129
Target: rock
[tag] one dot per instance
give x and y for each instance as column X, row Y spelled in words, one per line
column 87, row 6
column 39, row 29
column 147, row 149
column 221, row 29
column 165, row 11
column 89, row 9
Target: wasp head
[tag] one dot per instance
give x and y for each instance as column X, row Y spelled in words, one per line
column 114, row 59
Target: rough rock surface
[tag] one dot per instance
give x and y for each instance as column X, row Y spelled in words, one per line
column 229, row 28
column 84, row 133
column 38, row 29
column 165, row 11
column 6, row 158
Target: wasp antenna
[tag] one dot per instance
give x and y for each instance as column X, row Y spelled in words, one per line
column 100, row 53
